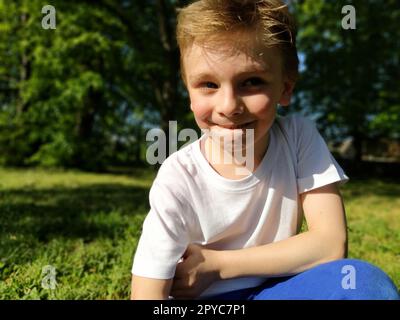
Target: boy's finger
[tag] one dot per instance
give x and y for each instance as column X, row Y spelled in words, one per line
column 189, row 250
column 180, row 270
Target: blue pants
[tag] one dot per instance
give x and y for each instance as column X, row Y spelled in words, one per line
column 346, row 279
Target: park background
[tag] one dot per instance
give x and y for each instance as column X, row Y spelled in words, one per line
column 76, row 103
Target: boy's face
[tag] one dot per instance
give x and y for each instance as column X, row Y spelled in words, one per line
column 234, row 89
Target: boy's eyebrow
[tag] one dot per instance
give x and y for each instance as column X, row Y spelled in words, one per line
column 251, row 70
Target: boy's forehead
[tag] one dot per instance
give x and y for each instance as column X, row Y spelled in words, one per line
column 256, row 59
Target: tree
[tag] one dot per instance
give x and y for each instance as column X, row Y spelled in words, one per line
column 351, row 77
column 80, row 95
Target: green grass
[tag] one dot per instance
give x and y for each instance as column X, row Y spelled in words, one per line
column 87, row 227
column 373, row 213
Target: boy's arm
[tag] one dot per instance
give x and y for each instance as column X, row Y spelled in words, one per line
column 150, row 289
column 325, row 240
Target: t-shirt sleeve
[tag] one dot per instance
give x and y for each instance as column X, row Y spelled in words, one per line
column 316, row 167
column 164, row 236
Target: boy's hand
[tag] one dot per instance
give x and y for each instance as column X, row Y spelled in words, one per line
column 198, row 270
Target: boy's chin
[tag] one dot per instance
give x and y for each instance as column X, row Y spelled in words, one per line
column 232, row 134
column 233, row 145
column 231, row 139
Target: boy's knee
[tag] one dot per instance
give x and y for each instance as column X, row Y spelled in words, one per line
column 359, row 280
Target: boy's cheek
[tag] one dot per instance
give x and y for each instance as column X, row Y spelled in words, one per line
column 201, row 110
column 259, row 104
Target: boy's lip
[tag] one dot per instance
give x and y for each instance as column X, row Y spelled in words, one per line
column 236, row 125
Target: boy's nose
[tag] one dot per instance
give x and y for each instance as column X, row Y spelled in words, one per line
column 229, row 104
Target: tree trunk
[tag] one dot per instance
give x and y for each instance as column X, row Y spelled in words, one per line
column 24, row 73
column 85, row 125
column 167, row 95
column 138, row 143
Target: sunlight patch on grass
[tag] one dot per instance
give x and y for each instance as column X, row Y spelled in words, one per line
column 42, row 179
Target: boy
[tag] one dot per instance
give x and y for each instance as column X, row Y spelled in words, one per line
column 212, row 232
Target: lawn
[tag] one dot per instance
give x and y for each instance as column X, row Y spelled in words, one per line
column 86, row 226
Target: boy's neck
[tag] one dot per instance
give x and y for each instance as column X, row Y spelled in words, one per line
column 228, row 170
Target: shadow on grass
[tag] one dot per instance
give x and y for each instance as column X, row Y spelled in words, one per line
column 89, row 212
column 361, row 187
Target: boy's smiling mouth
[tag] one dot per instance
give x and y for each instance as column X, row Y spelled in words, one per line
column 245, row 125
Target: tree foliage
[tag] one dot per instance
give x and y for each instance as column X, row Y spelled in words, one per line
column 351, row 78
column 80, row 95
column 84, row 94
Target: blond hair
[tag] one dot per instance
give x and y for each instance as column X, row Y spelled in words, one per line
column 208, row 21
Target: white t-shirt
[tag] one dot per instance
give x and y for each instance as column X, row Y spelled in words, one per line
column 191, row 203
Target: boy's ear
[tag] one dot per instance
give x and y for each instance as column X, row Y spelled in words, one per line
column 288, row 87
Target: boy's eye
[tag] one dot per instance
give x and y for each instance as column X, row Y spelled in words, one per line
column 253, row 82
column 209, row 85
